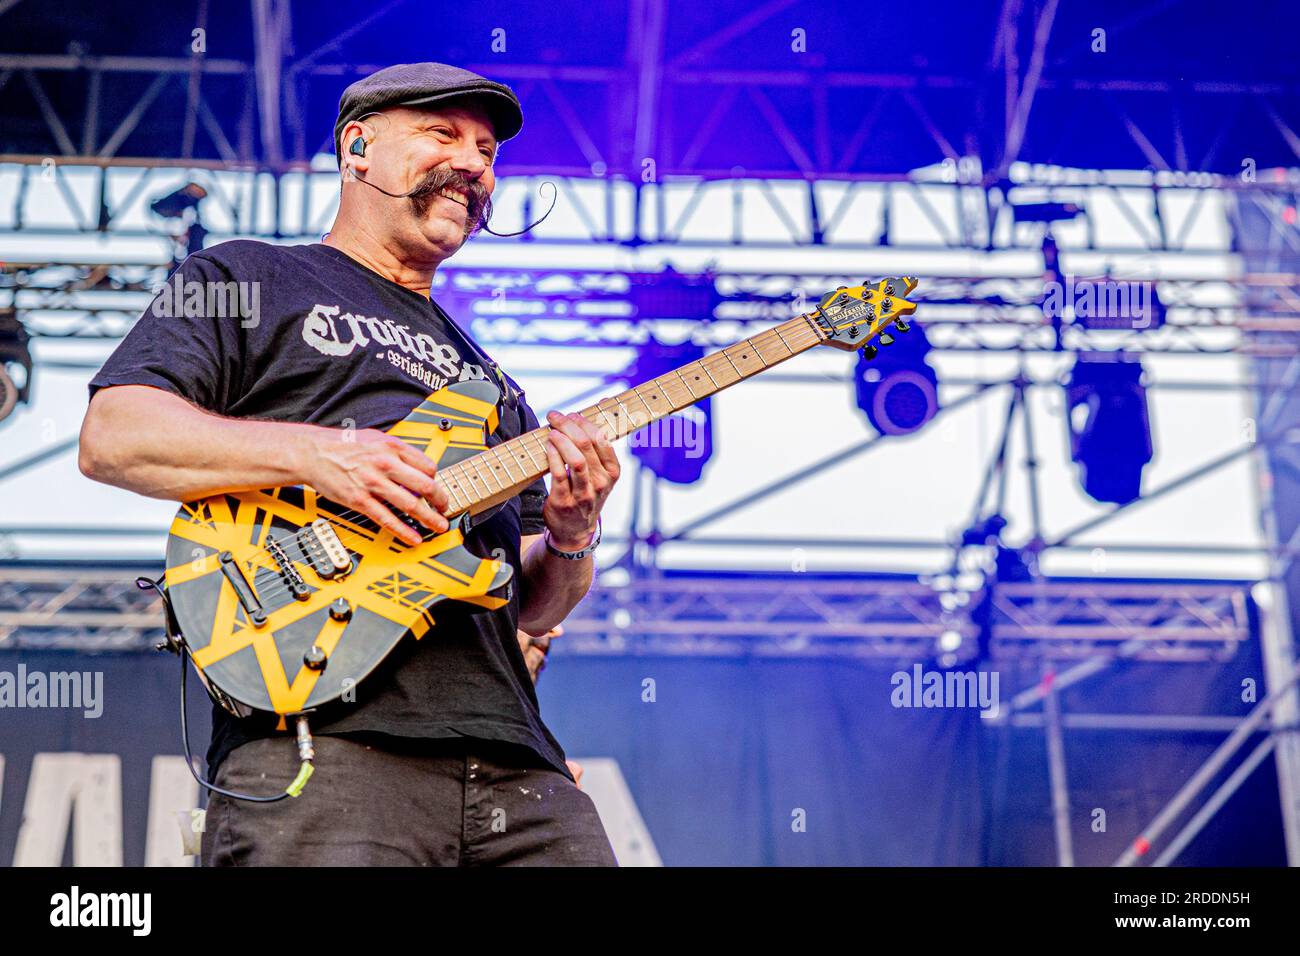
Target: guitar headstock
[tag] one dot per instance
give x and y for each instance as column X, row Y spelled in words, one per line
column 852, row 317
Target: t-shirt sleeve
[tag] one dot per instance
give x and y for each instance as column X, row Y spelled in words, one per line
column 532, row 498
column 187, row 341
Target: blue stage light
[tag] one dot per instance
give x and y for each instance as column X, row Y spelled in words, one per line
column 1113, row 442
column 677, row 446
column 896, row 388
column 672, row 295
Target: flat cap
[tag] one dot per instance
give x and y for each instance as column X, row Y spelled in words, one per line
column 424, row 84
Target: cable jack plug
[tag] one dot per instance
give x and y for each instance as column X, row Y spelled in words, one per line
column 306, row 750
column 306, row 753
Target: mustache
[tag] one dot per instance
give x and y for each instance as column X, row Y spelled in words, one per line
column 478, row 202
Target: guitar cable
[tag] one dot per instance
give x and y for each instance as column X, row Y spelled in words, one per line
column 176, row 644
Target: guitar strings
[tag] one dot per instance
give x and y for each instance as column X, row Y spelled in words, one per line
column 358, row 540
column 714, row 358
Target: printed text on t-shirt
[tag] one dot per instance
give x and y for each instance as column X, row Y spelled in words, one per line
column 330, row 333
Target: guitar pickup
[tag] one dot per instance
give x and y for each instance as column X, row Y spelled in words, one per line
column 328, row 557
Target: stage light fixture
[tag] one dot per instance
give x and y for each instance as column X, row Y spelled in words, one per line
column 183, row 205
column 1110, row 428
column 672, row 295
column 1046, row 211
column 175, row 204
column 1123, row 304
column 675, row 447
column 15, row 363
column 896, row 387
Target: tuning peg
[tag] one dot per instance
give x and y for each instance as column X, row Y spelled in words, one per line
column 885, row 338
column 902, row 326
column 869, row 352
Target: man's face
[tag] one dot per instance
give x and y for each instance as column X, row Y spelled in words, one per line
column 444, row 159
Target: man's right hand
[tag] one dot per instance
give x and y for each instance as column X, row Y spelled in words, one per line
column 369, row 471
column 155, row 443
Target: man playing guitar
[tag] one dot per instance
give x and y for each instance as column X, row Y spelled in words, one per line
column 440, row 757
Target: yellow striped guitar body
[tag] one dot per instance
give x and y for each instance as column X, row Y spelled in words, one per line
column 286, row 599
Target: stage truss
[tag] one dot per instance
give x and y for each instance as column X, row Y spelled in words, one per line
column 100, row 608
column 1074, row 629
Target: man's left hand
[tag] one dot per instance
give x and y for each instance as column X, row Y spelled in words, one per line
column 584, row 468
column 575, row 768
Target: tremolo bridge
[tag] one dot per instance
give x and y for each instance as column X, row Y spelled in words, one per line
column 288, row 573
column 318, row 542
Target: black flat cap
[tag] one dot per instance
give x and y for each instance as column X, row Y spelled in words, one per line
column 424, row 84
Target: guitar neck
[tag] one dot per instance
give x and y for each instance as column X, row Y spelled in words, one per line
column 492, row 476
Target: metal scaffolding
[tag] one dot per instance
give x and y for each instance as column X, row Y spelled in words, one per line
column 1155, row 210
column 822, row 111
column 638, row 170
column 90, row 607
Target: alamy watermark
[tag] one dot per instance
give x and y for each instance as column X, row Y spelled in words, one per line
column 1128, row 301
column 922, row 688
column 178, row 298
column 687, row 428
column 84, row 690
column 74, row 908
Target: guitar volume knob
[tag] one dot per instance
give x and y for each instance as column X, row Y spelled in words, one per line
column 315, row 659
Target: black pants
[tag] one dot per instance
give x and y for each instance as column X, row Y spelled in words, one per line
column 381, row 801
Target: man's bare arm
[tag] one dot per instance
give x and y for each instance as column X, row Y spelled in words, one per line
column 583, row 469
column 155, row 443
column 554, row 585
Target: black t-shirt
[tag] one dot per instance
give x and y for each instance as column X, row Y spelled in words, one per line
column 324, row 340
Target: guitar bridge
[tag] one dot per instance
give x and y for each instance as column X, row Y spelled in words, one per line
column 288, row 572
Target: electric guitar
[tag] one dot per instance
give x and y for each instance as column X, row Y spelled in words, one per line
column 286, row 600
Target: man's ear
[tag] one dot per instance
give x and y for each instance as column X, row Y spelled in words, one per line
column 356, row 140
